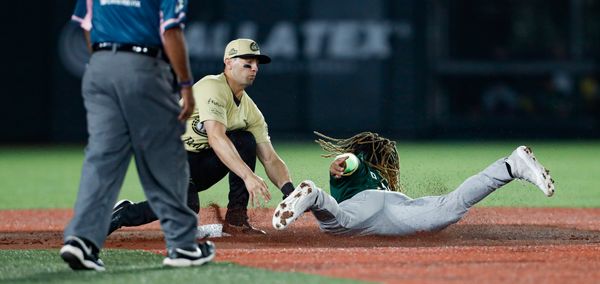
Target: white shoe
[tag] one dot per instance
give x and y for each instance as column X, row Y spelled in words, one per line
column 288, row 210
column 525, row 166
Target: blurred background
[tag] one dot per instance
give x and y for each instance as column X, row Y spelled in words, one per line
column 409, row 69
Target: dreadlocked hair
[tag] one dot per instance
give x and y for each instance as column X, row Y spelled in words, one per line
column 378, row 152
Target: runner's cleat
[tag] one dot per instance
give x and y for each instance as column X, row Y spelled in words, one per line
column 525, row 166
column 288, row 210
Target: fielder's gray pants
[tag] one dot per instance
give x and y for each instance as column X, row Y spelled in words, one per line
column 378, row 212
column 132, row 109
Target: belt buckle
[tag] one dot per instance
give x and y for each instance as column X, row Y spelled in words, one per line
column 141, row 49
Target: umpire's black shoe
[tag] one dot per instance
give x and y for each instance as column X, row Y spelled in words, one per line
column 81, row 256
column 203, row 253
column 115, row 221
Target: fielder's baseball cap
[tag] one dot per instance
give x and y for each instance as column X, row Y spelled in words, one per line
column 245, row 48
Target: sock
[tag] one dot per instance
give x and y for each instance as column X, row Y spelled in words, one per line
column 287, row 189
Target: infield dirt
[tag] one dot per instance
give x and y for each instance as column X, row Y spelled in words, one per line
column 490, row 245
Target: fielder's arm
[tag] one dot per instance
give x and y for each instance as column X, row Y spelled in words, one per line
column 228, row 154
column 275, row 168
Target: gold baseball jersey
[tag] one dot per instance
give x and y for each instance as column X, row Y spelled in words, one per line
column 214, row 101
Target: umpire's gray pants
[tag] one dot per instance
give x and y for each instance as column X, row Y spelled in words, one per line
column 378, row 212
column 132, row 109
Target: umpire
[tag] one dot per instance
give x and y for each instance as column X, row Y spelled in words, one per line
column 132, row 109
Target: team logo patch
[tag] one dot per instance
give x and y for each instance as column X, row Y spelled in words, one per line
column 180, row 5
column 254, row 46
column 233, row 51
column 198, row 127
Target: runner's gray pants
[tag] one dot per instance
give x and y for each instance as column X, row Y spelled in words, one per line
column 378, row 212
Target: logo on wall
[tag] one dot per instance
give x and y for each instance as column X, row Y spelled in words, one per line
column 314, row 46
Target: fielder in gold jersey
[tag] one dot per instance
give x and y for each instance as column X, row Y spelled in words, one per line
column 224, row 135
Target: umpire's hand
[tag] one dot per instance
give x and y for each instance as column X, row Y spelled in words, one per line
column 188, row 103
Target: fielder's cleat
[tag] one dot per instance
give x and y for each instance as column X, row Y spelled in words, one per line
column 245, row 229
column 203, row 253
column 525, row 166
column 80, row 256
column 115, row 220
column 288, row 210
column 236, row 223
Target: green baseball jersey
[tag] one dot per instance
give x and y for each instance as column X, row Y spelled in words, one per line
column 363, row 178
column 215, row 101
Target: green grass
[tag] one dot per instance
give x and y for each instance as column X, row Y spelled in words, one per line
column 130, row 266
column 47, row 177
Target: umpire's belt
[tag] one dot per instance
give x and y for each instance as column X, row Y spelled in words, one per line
column 151, row 51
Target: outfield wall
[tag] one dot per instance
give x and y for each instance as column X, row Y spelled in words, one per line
column 406, row 68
